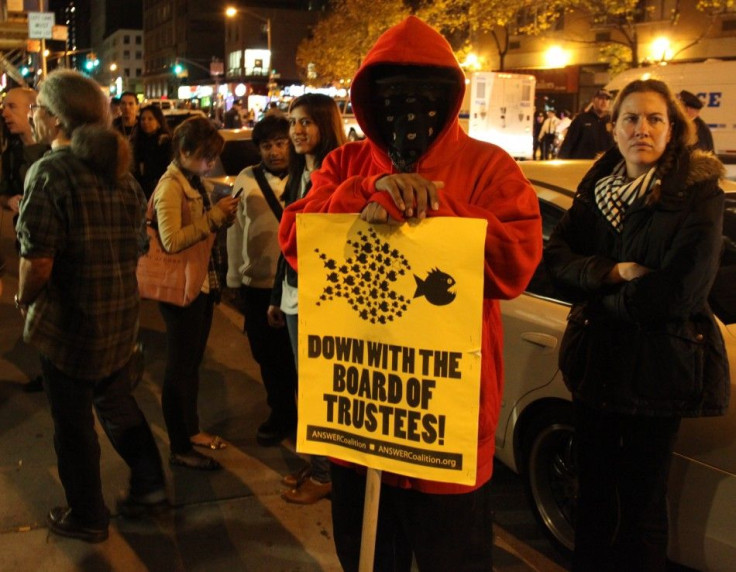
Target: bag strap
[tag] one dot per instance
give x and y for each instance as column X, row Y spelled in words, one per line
column 186, row 216
column 267, row 191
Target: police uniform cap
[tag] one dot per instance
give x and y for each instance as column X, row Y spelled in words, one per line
column 690, row 100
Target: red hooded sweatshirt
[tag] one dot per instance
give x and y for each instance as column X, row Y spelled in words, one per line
column 480, row 181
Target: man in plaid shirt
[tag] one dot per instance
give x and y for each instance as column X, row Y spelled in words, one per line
column 81, row 229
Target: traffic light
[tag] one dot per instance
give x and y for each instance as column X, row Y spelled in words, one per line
column 91, row 62
column 179, row 70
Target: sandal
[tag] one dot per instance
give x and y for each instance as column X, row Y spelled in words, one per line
column 213, row 442
column 194, row 460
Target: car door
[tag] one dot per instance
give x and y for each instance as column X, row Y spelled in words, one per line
column 533, row 325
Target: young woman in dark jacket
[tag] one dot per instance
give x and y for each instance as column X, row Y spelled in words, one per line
column 638, row 252
column 152, row 148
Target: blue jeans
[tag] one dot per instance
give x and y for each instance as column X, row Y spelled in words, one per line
column 320, row 463
column 77, row 446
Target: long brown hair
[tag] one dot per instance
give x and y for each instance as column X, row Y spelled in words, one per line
column 683, row 131
column 323, row 110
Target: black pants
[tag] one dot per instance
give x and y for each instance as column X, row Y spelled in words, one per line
column 77, row 446
column 623, row 466
column 187, row 330
column 272, row 350
column 547, row 146
column 444, row 532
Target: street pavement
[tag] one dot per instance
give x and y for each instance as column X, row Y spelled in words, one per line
column 229, row 520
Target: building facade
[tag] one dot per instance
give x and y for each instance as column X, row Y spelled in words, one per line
column 570, row 61
column 187, row 32
column 202, row 38
column 121, row 54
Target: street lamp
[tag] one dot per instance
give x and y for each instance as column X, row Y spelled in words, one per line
column 232, row 12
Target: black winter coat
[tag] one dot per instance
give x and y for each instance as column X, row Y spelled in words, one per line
column 152, row 155
column 650, row 346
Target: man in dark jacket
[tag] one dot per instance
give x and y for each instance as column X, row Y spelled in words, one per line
column 27, row 143
column 127, row 123
column 693, row 105
column 22, row 149
column 589, row 134
column 232, row 117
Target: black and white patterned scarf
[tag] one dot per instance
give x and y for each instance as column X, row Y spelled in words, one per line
column 615, row 193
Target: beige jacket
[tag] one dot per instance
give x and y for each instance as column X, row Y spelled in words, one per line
column 170, row 191
column 172, row 188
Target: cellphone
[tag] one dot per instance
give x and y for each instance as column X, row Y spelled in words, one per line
column 238, row 192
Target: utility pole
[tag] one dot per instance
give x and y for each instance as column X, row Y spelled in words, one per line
column 43, row 47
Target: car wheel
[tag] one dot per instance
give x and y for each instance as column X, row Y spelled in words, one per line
column 352, row 136
column 550, row 474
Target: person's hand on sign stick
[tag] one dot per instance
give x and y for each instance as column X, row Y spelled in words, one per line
column 411, row 193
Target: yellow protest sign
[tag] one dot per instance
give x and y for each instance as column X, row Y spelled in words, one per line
column 389, row 343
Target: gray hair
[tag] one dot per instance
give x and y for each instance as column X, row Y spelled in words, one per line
column 75, row 100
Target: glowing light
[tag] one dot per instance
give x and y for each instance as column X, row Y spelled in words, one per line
column 556, row 57
column 231, row 12
column 660, row 50
column 472, row 61
column 240, row 90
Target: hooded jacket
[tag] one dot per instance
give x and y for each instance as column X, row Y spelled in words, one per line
column 650, row 346
column 480, row 181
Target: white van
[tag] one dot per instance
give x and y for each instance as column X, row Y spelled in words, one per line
column 166, row 105
column 499, row 108
column 714, row 82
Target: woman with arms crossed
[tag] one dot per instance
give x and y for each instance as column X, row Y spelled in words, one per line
column 638, row 253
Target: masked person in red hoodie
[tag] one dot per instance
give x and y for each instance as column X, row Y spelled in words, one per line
column 417, row 162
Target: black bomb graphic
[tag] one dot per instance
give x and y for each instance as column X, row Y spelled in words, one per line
column 369, row 280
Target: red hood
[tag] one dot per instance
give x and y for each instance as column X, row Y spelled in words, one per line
column 411, row 42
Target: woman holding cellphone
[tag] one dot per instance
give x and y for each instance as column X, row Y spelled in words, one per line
column 196, row 145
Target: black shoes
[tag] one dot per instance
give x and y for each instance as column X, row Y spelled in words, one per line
column 62, row 522
column 272, row 432
column 194, row 460
column 138, row 506
column 34, row 385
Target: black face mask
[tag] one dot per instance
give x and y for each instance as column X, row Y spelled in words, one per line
column 412, row 113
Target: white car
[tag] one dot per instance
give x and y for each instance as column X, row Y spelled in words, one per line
column 535, row 435
column 353, row 131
